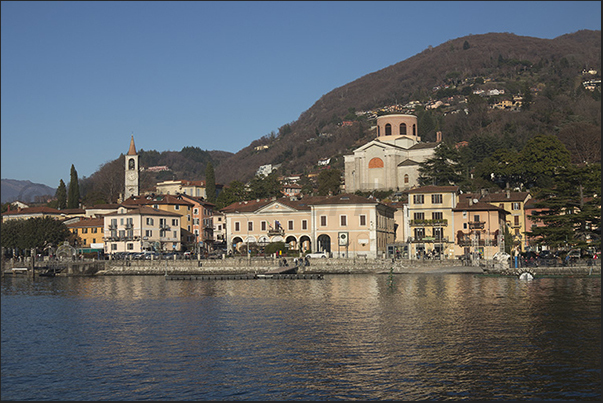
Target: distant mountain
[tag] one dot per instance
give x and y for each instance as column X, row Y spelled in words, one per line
column 25, row 191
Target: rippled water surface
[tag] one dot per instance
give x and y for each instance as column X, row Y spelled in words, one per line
column 346, row 337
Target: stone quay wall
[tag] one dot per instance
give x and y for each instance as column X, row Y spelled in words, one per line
column 244, row 265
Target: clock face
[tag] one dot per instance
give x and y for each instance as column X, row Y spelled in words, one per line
column 132, row 176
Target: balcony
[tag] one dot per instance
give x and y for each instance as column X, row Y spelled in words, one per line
column 275, row 232
column 476, row 224
column 429, row 223
column 429, row 239
column 477, row 242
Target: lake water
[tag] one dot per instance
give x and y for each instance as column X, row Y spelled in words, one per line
column 345, row 337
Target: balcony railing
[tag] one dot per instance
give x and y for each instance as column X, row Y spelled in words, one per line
column 478, row 242
column 429, row 239
column 274, row 232
column 429, row 223
column 477, row 224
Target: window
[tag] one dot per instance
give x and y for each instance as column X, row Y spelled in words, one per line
column 84, row 230
column 149, row 221
column 362, row 220
column 476, row 218
column 516, row 220
column 175, row 222
column 93, row 240
column 237, row 226
column 130, row 246
column 113, row 246
column 94, row 230
column 436, row 199
column 195, row 211
column 419, row 216
column 388, row 129
column 323, row 220
column 418, row 199
column 262, row 225
column 148, row 233
column 405, row 178
column 516, row 206
column 250, row 225
column 403, row 129
column 176, row 207
column 437, row 215
column 419, row 233
column 438, row 233
column 290, row 225
column 304, row 224
column 343, row 220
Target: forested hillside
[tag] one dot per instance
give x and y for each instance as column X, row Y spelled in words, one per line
column 547, row 75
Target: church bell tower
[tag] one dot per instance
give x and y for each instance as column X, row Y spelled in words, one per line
column 132, row 187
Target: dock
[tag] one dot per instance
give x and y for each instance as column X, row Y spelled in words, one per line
column 212, row 277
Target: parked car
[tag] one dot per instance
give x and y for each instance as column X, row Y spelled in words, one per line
column 313, row 255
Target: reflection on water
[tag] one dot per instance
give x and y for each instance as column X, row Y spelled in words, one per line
column 345, row 337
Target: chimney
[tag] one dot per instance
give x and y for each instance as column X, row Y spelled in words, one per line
column 439, row 136
column 508, row 193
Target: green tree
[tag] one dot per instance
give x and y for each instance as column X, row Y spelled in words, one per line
column 466, row 45
column 33, row 233
column 329, row 182
column 234, row 192
column 503, row 167
column 61, row 196
column 443, row 169
column 541, row 158
column 262, row 186
column 73, row 197
column 210, row 183
column 570, row 210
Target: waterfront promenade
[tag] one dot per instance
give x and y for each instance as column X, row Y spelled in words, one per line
column 245, row 265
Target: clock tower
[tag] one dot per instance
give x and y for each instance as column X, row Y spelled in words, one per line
column 132, row 174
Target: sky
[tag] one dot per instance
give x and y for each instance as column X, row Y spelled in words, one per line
column 78, row 79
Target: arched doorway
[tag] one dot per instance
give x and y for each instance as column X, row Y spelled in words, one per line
column 305, row 243
column 323, row 243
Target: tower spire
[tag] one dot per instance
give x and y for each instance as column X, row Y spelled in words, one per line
column 132, row 150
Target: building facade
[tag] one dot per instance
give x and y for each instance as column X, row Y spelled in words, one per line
column 344, row 225
column 391, row 160
column 141, row 228
column 431, row 221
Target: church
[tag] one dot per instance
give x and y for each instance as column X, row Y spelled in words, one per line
column 390, row 161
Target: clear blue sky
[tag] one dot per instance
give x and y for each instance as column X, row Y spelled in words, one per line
column 79, row 78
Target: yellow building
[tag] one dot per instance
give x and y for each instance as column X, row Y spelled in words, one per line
column 90, row 232
column 431, row 221
column 514, row 203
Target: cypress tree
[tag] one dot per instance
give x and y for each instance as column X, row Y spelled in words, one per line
column 61, row 195
column 73, row 198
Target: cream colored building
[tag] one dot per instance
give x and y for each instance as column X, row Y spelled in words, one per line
column 345, row 225
column 390, row 161
column 137, row 228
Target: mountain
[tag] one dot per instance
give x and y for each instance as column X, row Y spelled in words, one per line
column 25, row 191
column 507, row 60
column 547, row 73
